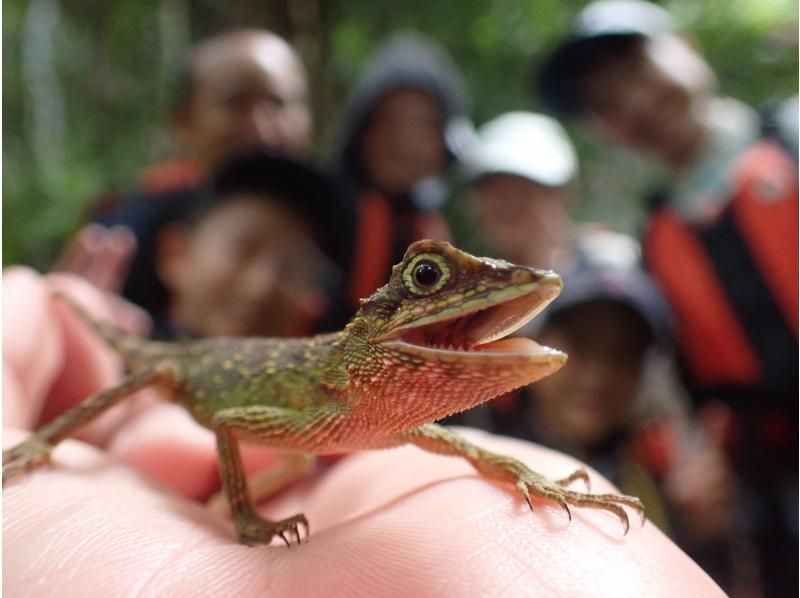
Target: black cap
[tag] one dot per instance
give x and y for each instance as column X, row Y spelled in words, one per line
column 296, row 184
column 629, row 286
column 601, row 28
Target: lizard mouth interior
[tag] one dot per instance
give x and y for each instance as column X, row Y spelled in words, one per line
column 482, row 330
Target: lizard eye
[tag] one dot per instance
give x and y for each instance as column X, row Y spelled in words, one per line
column 426, row 274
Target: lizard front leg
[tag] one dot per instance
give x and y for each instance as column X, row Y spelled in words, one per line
column 438, row 439
column 35, row 450
column 272, row 426
column 262, row 485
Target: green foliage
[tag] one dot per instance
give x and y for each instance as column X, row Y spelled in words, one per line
column 86, row 84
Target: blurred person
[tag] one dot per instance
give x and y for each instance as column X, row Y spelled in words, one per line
column 521, row 181
column 234, row 91
column 611, row 320
column 720, row 239
column 254, row 253
column 403, row 125
column 619, row 403
column 521, row 173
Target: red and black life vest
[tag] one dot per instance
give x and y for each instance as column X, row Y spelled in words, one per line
column 381, row 238
column 732, row 282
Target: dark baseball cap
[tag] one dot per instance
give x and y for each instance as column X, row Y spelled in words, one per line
column 601, row 29
column 629, row 286
column 295, row 183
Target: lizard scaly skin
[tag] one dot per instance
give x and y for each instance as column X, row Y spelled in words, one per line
column 427, row 345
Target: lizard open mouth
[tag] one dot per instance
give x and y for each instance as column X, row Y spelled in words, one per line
column 481, row 328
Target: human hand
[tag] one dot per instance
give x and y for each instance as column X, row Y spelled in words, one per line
column 51, row 360
column 391, row 523
column 700, row 486
column 100, row 255
column 394, row 523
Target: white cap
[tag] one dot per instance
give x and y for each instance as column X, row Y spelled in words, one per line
column 525, row 144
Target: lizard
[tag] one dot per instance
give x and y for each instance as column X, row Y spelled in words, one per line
column 430, row 343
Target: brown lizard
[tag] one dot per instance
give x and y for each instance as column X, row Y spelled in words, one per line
column 428, row 344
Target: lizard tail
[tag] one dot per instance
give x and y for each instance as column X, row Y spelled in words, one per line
column 134, row 350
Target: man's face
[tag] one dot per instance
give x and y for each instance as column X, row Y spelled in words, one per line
column 524, row 221
column 651, row 99
column 403, row 142
column 248, row 267
column 593, row 394
column 247, row 90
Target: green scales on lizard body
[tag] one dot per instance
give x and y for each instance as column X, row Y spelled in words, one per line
column 428, row 344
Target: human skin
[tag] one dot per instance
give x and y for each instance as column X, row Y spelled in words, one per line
column 653, row 100
column 390, row 523
column 248, row 88
column 100, row 255
column 526, row 222
column 404, row 140
column 593, row 396
column 249, row 267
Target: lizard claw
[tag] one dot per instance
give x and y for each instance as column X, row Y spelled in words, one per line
column 523, row 489
column 564, row 504
column 531, row 483
column 252, row 529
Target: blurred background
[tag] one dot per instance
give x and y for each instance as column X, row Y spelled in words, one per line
column 86, row 85
column 681, row 385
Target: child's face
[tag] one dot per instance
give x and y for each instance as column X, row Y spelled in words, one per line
column 247, row 268
column 525, row 222
column 593, row 394
column 652, row 99
column 403, row 142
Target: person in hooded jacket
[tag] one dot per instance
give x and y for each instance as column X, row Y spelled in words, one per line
column 404, row 125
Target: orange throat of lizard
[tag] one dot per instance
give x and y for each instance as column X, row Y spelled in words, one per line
column 452, row 361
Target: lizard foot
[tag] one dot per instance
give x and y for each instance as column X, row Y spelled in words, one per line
column 252, row 529
column 29, row 454
column 529, row 483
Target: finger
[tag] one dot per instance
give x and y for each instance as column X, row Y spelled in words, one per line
column 79, row 250
column 32, row 347
column 17, row 408
column 88, row 364
column 130, row 317
column 164, row 442
column 717, row 420
column 110, row 259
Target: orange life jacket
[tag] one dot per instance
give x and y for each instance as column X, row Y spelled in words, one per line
column 381, row 238
column 732, row 281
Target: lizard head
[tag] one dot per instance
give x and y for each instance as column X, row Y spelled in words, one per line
column 440, row 325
